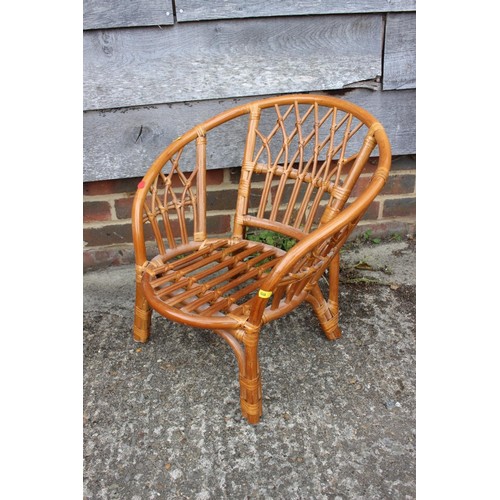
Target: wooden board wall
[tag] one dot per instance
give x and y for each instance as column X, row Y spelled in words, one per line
column 400, row 52
column 130, row 139
column 98, row 14
column 197, row 10
column 229, row 58
column 155, row 68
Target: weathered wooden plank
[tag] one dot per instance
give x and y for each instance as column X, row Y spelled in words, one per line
column 400, row 52
column 196, row 10
column 98, row 14
column 122, row 143
column 222, row 59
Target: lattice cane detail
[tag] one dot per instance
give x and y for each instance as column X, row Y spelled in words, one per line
column 176, row 201
column 306, row 168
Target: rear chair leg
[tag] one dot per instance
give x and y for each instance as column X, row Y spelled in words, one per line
column 333, row 296
column 328, row 312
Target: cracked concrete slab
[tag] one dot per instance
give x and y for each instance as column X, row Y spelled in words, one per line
column 162, row 419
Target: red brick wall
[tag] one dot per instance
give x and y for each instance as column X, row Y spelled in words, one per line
column 107, row 231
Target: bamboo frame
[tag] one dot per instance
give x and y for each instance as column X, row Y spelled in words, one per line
column 310, row 159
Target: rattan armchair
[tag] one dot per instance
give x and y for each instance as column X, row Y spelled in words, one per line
column 301, row 157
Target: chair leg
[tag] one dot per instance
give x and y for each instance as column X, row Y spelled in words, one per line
column 328, row 311
column 142, row 316
column 333, row 297
column 250, row 381
column 325, row 313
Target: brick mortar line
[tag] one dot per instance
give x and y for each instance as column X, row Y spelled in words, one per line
column 383, row 197
column 112, row 245
column 104, row 224
column 107, row 197
column 113, row 212
column 380, row 212
column 384, row 220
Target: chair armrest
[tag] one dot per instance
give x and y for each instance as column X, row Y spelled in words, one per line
column 347, row 216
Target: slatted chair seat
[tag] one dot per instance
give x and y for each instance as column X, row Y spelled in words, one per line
column 305, row 175
column 216, row 279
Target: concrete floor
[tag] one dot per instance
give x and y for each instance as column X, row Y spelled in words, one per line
column 162, row 419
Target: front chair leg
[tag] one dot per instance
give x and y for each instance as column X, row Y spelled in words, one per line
column 142, row 316
column 250, row 381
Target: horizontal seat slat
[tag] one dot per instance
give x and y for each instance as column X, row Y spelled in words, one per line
column 214, row 292
column 180, row 277
column 178, row 283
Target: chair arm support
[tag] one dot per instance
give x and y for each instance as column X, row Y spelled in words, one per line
column 322, row 233
column 311, row 241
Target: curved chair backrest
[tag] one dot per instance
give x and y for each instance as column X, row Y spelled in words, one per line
column 302, row 156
